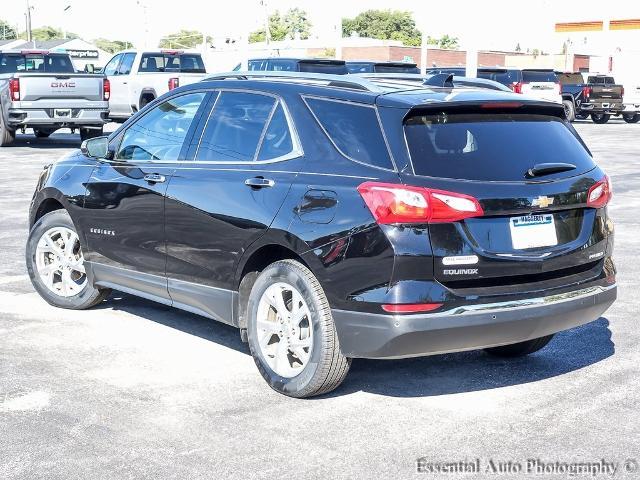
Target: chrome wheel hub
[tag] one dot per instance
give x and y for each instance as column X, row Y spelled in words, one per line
column 285, row 331
column 59, row 262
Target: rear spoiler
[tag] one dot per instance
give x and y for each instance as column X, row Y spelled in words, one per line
column 532, row 107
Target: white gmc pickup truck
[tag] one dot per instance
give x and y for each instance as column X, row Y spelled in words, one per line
column 41, row 90
column 138, row 77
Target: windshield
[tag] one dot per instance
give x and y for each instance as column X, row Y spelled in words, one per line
column 498, row 147
column 13, row 63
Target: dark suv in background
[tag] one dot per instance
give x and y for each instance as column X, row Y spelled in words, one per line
column 330, row 219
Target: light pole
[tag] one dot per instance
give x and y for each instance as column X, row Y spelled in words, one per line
column 28, row 20
column 64, row 30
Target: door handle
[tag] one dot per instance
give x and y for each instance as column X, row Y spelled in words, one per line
column 154, row 178
column 259, row 182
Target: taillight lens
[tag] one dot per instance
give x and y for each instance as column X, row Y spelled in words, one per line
column 393, row 203
column 622, row 91
column 174, row 83
column 106, row 89
column 516, row 87
column 586, row 91
column 600, row 193
column 14, row 89
column 559, row 85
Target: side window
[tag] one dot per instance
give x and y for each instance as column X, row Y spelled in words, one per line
column 235, row 127
column 159, row 134
column 282, row 65
column 110, row 68
column 354, row 129
column 126, row 64
column 152, row 63
column 277, row 138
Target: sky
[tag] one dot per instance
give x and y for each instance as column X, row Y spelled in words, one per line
column 492, row 24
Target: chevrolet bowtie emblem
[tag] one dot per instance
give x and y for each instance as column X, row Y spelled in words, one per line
column 542, row 202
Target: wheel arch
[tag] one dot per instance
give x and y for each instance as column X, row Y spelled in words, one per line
column 47, row 200
column 147, row 93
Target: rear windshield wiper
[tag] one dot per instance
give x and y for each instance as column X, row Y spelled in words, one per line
column 547, row 168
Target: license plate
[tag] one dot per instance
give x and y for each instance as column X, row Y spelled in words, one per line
column 62, row 113
column 533, row 231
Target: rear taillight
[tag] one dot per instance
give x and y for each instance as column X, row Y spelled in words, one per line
column 516, row 87
column 586, row 91
column 559, row 85
column 174, row 83
column 393, row 203
column 622, row 91
column 14, row 89
column 106, row 90
column 600, row 193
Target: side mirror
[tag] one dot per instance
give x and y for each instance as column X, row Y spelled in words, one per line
column 96, row 147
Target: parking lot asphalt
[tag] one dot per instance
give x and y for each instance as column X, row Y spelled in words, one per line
column 132, row 389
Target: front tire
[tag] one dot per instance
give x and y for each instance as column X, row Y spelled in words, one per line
column 520, row 349
column 600, row 118
column 291, row 333
column 631, row 117
column 56, row 266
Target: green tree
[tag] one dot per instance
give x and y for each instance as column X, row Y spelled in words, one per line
column 49, row 33
column 294, row 21
column 446, row 42
column 112, row 46
column 383, row 24
column 7, row 32
column 183, row 39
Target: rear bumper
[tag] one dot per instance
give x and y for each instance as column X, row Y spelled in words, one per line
column 600, row 107
column 367, row 335
column 47, row 117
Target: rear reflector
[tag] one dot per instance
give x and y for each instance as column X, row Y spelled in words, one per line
column 410, row 307
column 392, row 203
column 600, row 193
column 14, row 89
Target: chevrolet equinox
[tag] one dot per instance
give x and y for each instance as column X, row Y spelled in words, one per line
column 331, row 218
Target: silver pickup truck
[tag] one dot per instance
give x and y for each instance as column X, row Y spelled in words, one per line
column 41, row 90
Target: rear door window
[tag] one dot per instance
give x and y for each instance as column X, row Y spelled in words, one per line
column 499, row 147
column 277, row 141
column 126, row 64
column 323, row 67
column 354, row 130
column 538, row 76
column 235, row 127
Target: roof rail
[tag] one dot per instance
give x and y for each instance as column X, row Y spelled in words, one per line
column 341, row 81
column 435, row 80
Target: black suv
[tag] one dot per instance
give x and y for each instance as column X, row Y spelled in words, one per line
column 331, row 218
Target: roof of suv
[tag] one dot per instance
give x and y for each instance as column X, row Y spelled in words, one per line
column 382, row 90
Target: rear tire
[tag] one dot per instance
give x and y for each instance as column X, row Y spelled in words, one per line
column 569, row 110
column 303, row 321
column 519, row 349
column 7, row 136
column 87, row 133
column 631, row 117
column 53, row 247
column 600, row 118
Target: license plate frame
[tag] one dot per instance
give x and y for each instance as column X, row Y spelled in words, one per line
column 533, row 231
column 62, row 113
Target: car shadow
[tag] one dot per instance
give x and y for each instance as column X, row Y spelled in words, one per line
column 55, row 140
column 415, row 377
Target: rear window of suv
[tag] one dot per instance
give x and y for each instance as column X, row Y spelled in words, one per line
column 159, row 62
column 498, row 147
column 12, row 63
column 538, row 76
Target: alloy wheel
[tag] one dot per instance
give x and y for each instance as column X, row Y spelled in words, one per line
column 59, row 262
column 285, row 330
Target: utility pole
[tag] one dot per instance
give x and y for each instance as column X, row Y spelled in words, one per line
column 267, row 31
column 64, row 29
column 28, row 19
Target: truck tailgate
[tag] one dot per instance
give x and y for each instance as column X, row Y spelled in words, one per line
column 606, row 92
column 68, row 86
